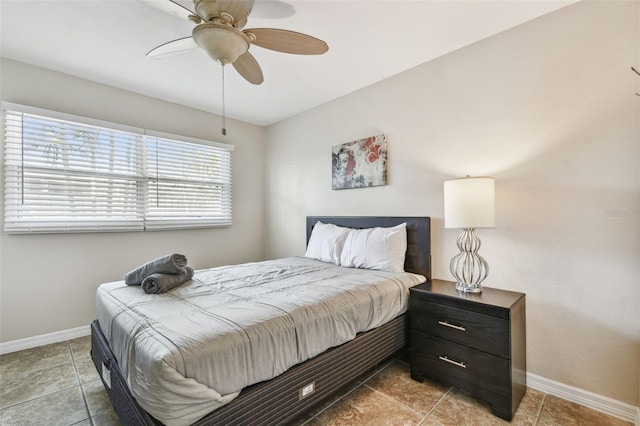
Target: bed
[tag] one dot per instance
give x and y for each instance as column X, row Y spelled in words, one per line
column 304, row 385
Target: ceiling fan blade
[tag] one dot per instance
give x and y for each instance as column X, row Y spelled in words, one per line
column 170, row 6
column 248, row 67
column 272, row 9
column 287, row 41
column 173, row 46
column 239, row 9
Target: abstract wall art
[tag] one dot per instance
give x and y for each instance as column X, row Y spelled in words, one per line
column 360, row 164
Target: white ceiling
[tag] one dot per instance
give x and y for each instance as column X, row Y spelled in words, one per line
column 369, row 40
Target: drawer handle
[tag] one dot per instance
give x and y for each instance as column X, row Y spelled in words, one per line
column 457, row 327
column 450, row 361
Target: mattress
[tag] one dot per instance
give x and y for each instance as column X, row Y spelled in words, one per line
column 192, row 350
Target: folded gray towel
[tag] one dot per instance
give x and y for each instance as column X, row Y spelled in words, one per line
column 169, row 264
column 161, row 283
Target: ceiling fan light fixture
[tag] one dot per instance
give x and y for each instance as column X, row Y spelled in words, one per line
column 222, row 43
column 194, row 19
column 207, row 9
column 218, row 32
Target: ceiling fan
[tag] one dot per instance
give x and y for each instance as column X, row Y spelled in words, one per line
column 219, row 32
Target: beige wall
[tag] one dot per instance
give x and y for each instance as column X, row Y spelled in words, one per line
column 48, row 282
column 548, row 109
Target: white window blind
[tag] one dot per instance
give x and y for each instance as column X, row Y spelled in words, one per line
column 72, row 174
column 187, row 185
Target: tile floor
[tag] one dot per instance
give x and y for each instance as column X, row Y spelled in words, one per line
column 58, row 385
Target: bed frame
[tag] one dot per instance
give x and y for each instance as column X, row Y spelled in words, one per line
column 280, row 400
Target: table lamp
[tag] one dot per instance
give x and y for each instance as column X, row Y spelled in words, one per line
column 469, row 203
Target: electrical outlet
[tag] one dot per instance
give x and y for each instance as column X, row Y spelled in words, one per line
column 307, row 390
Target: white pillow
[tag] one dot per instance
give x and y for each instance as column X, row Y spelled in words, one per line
column 326, row 242
column 376, row 248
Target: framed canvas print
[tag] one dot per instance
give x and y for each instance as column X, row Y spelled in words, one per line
column 360, row 163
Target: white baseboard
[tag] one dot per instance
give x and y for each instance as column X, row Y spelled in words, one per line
column 597, row 402
column 44, row 339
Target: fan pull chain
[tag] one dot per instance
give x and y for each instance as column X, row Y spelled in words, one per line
column 637, row 72
column 224, row 119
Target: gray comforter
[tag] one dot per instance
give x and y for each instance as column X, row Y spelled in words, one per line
column 191, row 350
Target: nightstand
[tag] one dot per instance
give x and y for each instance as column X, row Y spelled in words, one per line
column 472, row 341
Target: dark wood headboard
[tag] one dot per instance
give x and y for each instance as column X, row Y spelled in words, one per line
column 418, row 259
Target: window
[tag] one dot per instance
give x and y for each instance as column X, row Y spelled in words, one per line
column 71, row 174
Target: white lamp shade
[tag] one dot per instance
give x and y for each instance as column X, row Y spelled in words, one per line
column 469, row 203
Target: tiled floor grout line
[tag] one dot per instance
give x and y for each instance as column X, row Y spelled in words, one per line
column 5, row 376
column 389, row 397
column 401, row 361
column 400, row 402
column 448, row 391
column 422, row 423
column 539, row 413
column 439, row 402
column 334, row 402
column 377, row 370
column 38, row 397
column 84, row 396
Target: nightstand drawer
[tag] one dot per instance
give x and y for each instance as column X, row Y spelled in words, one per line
column 459, row 366
column 478, row 331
